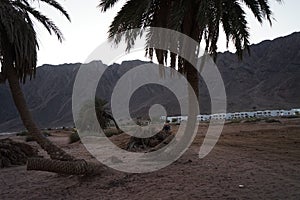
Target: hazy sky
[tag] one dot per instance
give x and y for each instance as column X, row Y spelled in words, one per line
column 89, row 27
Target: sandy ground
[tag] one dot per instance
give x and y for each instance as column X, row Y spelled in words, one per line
column 263, row 157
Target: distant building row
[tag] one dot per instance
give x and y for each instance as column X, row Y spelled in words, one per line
column 236, row 115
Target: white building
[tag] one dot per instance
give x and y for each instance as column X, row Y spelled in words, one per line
column 218, row 116
column 285, row 113
column 236, row 115
column 296, row 111
column 164, row 118
column 203, row 118
column 184, row 118
column 177, row 119
column 275, row 113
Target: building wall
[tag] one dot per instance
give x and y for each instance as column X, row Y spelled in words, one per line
column 236, row 115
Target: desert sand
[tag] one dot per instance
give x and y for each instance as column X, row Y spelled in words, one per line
column 255, row 160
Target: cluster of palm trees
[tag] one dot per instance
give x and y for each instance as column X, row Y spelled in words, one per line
column 198, row 19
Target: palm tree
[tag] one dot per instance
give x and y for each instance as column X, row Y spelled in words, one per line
column 198, row 19
column 103, row 116
column 18, row 54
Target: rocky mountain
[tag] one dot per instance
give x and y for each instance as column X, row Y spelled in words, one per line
column 268, row 78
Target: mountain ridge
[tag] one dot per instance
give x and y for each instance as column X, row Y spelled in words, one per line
column 268, row 79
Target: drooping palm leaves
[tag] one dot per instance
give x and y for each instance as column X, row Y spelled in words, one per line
column 199, row 19
column 16, row 29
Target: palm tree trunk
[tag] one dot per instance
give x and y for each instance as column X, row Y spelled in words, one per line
column 79, row 167
column 191, row 29
column 192, row 76
column 2, row 78
column 116, row 125
column 54, row 151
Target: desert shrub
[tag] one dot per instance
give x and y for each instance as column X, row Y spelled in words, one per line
column 23, row 133
column 111, row 132
column 143, row 144
column 46, row 134
column 252, row 120
column 272, row 121
column 29, row 138
column 290, row 117
column 236, row 120
column 74, row 137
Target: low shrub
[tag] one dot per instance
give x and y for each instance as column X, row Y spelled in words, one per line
column 46, row 134
column 23, row 133
column 111, row 132
column 29, row 138
column 272, row 121
column 236, row 121
column 252, row 120
column 290, row 117
column 74, row 137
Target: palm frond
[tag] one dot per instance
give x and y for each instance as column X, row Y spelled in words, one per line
column 199, row 19
column 127, row 22
column 235, row 26
column 47, row 23
column 106, row 4
column 58, row 6
column 17, row 32
column 255, row 7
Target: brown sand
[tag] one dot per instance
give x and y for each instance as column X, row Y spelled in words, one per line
column 262, row 157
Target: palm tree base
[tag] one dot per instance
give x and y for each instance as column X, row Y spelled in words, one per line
column 77, row 167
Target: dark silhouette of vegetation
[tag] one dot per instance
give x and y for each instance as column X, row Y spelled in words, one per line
column 103, row 116
column 272, row 120
column 198, row 19
column 74, row 137
column 18, row 55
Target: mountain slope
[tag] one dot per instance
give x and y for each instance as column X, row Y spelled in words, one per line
column 268, row 79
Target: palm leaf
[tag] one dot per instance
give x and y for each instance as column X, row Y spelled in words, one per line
column 17, row 31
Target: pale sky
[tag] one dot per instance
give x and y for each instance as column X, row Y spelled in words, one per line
column 89, row 27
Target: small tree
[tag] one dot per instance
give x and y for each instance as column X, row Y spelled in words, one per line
column 85, row 117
